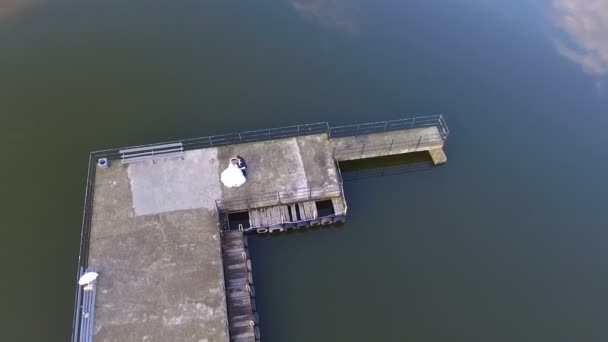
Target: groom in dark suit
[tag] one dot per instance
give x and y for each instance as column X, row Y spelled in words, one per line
column 240, row 162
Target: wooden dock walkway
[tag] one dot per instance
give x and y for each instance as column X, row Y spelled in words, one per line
column 285, row 217
column 242, row 318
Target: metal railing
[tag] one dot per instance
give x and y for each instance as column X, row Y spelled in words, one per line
column 295, row 131
column 278, row 198
column 232, row 138
column 85, row 234
column 392, row 125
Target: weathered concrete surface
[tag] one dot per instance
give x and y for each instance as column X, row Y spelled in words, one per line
column 161, row 276
column 176, row 184
column 155, row 238
column 438, row 156
column 283, row 165
column 386, row 143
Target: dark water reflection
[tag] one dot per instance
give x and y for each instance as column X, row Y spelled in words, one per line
column 504, row 243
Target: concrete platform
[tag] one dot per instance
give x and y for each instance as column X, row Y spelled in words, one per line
column 161, row 275
column 288, row 166
column 387, row 143
column 156, row 242
column 155, row 238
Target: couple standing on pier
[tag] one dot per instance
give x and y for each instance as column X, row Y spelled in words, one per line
column 235, row 173
column 240, row 163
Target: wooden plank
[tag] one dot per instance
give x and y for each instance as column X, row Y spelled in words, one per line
column 310, row 208
column 238, row 299
column 276, row 215
column 292, row 208
column 301, row 211
column 338, row 205
column 285, row 213
column 252, row 218
column 260, row 217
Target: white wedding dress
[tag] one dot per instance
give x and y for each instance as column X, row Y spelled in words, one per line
column 233, row 176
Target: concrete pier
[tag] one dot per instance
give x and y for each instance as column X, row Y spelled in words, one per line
column 390, row 143
column 157, row 226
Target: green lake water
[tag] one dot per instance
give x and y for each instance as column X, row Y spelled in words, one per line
column 506, row 242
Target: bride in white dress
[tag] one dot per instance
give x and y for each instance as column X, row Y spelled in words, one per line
column 233, row 176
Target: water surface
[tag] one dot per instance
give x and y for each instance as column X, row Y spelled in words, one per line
column 504, row 243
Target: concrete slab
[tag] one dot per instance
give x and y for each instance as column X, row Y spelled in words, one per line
column 386, row 143
column 438, row 156
column 284, row 165
column 176, row 184
column 161, row 276
column 272, row 166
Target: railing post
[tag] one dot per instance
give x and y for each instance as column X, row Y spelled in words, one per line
column 210, row 143
column 412, row 125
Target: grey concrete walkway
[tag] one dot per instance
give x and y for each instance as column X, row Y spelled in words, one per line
column 161, row 275
column 284, row 165
column 387, row 143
